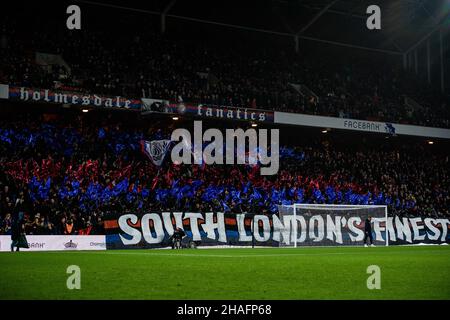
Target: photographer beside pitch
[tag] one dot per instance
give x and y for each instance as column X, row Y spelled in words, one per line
column 176, row 238
column 368, row 231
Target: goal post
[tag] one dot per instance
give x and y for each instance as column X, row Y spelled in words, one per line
column 332, row 225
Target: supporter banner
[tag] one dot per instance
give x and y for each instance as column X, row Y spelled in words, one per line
column 156, row 105
column 155, row 150
column 57, row 243
column 153, row 230
column 72, row 98
column 360, row 125
column 208, row 111
column 46, row 59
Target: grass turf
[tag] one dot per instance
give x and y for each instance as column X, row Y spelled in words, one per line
column 288, row 273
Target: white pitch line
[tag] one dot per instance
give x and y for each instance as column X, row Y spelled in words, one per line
column 247, row 255
column 205, row 255
column 242, row 255
column 227, row 256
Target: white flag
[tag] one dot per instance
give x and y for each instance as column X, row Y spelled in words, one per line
column 156, row 150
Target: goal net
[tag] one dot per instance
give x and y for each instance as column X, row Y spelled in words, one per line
column 331, row 225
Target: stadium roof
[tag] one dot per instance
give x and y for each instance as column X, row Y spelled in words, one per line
column 404, row 23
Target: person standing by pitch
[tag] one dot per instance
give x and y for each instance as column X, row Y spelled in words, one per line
column 18, row 238
column 368, row 231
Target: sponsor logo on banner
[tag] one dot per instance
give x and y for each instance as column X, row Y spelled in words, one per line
column 98, row 244
column 362, row 125
column 36, row 245
column 389, row 127
column 73, row 98
column 217, row 228
column 70, row 245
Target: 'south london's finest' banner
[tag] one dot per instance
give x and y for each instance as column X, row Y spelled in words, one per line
column 153, row 230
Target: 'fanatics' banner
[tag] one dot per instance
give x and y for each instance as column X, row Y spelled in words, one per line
column 154, row 230
column 208, row 111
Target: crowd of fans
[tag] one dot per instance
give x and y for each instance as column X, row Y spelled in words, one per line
column 147, row 64
column 71, row 170
column 67, row 171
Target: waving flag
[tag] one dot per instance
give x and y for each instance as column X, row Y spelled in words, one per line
column 390, row 129
column 156, row 150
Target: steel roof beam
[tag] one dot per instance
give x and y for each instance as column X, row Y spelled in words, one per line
column 317, row 16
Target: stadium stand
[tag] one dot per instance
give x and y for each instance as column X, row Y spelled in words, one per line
column 72, row 168
column 167, row 67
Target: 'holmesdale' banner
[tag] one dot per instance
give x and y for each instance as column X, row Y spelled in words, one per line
column 72, row 98
column 153, row 230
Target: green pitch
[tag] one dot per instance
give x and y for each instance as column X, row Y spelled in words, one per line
column 303, row 273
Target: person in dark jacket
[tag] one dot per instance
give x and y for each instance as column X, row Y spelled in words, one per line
column 176, row 238
column 18, row 238
column 368, row 231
